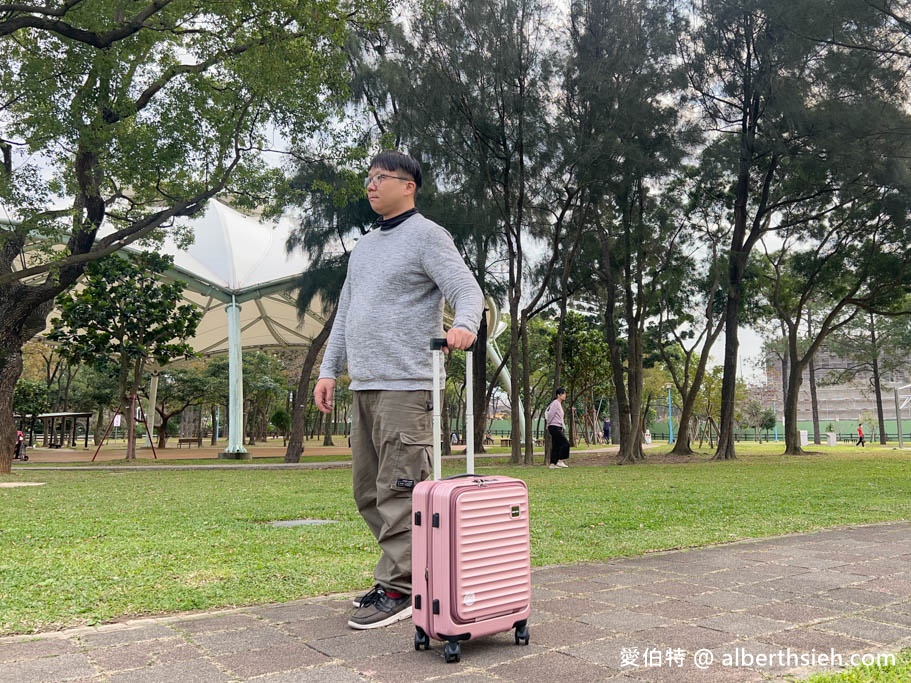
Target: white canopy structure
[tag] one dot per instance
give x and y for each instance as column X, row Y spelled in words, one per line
column 238, row 272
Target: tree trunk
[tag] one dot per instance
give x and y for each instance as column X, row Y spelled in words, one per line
column 791, row 428
column 480, row 387
column 329, row 422
column 299, row 414
column 682, row 444
column 526, row 404
column 725, row 449
column 878, row 393
column 10, row 369
column 445, row 419
column 814, row 402
column 682, row 436
column 877, row 389
column 515, row 369
column 21, row 317
column 163, row 431
column 98, row 428
column 132, row 402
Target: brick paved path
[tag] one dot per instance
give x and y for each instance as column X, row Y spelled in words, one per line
column 841, row 591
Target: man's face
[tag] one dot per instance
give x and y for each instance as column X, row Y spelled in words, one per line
column 389, row 192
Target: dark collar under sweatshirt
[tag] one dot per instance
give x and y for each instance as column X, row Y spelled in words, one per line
column 390, row 223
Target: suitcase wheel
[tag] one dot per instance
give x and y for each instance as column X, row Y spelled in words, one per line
column 421, row 639
column 452, row 652
column 522, row 635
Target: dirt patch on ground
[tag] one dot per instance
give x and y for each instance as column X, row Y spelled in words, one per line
column 594, row 459
column 16, row 484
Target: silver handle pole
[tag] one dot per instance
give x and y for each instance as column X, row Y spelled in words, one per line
column 437, row 418
column 469, row 413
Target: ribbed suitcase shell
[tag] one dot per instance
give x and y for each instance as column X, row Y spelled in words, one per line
column 471, row 566
column 470, row 548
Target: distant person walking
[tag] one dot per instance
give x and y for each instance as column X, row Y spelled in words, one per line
column 607, row 430
column 559, row 446
column 860, row 436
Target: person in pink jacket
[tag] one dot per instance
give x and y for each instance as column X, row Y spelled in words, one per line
column 553, row 418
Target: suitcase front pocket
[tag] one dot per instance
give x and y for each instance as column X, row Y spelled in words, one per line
column 492, row 563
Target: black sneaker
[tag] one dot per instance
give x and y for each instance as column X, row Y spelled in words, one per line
column 366, row 598
column 380, row 611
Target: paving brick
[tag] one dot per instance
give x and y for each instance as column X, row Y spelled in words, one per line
column 684, row 636
column 243, row 640
column 64, row 667
column 296, row 611
column 889, row 616
column 677, row 589
column 194, row 671
column 794, row 613
column 332, row 673
column 564, row 633
column 858, row 596
column 552, row 666
column 272, row 660
column 134, row 634
column 217, row 622
column 624, row 621
column 742, row 625
column 872, row 631
column 572, row 607
column 731, row 600
column 317, row 629
column 34, row 649
column 677, row 610
column 137, row 655
column 626, row 597
column 811, row 639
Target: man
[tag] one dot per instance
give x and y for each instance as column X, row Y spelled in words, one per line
column 860, row 436
column 390, row 307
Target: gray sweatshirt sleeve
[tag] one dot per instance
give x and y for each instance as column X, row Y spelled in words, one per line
column 445, row 266
column 336, row 356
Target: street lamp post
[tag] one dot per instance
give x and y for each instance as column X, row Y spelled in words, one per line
column 670, row 416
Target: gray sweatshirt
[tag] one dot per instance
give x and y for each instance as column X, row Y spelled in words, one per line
column 391, row 306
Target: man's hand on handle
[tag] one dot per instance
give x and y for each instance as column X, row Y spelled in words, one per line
column 459, row 338
column 323, row 394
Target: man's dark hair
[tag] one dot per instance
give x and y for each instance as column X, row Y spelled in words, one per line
column 391, row 160
column 560, row 390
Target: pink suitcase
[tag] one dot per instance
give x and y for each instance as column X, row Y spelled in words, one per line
column 471, row 560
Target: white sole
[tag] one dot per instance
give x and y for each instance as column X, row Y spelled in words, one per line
column 398, row 616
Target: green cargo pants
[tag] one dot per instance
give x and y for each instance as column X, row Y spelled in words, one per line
column 391, row 441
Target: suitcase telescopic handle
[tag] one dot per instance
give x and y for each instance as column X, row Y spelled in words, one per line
column 440, row 343
column 437, row 344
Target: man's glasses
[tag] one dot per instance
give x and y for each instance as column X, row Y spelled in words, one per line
column 380, row 177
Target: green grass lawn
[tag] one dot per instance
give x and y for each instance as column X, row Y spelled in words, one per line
column 89, row 546
column 900, row 672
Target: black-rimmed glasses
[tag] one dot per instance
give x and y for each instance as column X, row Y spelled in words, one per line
column 380, row 177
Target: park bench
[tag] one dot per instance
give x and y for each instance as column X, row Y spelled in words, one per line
column 190, row 441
